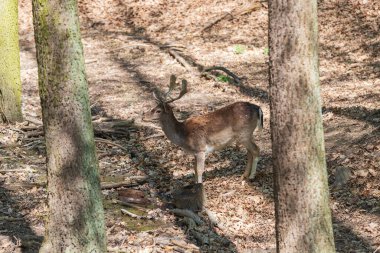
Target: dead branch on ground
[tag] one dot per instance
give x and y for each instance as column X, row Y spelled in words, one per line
column 33, row 120
column 153, row 136
column 100, row 140
column 113, row 128
column 198, row 69
column 124, row 211
column 183, row 244
column 181, row 59
column 128, row 183
column 127, row 204
column 103, row 127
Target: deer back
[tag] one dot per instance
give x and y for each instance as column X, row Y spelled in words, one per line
column 212, row 131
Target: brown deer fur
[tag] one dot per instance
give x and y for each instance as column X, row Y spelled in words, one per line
column 203, row 134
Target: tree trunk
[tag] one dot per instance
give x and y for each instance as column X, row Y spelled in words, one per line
column 303, row 218
column 10, row 80
column 76, row 218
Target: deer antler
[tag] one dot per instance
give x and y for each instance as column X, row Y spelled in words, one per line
column 182, row 92
column 172, row 84
column 163, row 97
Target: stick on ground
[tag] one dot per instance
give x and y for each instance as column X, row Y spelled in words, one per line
column 99, row 140
column 124, row 211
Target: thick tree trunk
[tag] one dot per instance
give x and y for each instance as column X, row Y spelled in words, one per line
column 10, row 80
column 76, row 218
column 303, row 219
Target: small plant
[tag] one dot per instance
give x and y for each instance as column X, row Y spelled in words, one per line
column 224, row 79
column 239, row 49
column 266, row 51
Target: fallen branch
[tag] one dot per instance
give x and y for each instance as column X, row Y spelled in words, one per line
column 129, row 183
column 34, row 134
column 31, row 128
column 123, row 203
column 201, row 70
column 106, row 127
column 107, row 186
column 188, row 213
column 34, row 143
column 35, row 121
column 124, row 211
column 153, row 136
column 91, row 61
column 98, row 119
column 181, row 60
column 111, row 143
column 183, row 244
column 17, row 170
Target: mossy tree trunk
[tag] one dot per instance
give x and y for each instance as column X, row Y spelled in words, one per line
column 10, row 80
column 303, row 218
column 76, row 217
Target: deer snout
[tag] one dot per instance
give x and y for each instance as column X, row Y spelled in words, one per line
column 151, row 115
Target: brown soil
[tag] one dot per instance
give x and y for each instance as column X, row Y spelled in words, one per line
column 125, row 49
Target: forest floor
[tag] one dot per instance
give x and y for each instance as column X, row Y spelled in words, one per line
column 126, row 46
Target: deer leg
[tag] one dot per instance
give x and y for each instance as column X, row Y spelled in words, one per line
column 253, row 158
column 199, row 166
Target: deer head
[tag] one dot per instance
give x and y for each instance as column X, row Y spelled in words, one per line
column 163, row 100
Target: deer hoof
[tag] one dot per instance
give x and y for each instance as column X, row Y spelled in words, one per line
column 245, row 178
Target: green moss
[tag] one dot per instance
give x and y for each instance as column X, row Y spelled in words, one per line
column 224, row 79
column 10, row 80
column 112, row 211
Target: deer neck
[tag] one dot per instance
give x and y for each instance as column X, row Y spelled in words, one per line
column 172, row 128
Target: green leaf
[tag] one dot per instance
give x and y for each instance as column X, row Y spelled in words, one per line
column 239, row 49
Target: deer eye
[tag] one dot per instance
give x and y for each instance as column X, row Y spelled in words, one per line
column 158, row 110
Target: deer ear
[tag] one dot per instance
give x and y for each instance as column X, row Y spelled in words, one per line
column 156, row 96
column 184, row 85
column 173, row 78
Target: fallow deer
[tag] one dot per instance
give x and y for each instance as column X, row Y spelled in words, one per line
column 203, row 134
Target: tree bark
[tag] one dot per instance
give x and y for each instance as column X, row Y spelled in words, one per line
column 303, row 218
column 10, row 80
column 76, row 217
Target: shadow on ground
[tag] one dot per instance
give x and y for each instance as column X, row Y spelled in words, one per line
column 347, row 241
column 14, row 227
